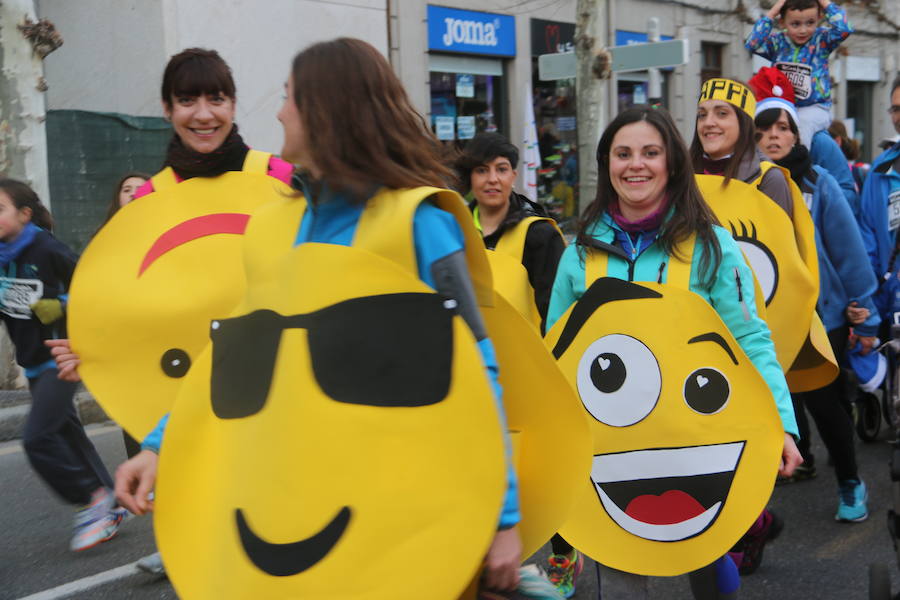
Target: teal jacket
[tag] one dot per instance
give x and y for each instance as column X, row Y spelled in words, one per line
column 730, row 292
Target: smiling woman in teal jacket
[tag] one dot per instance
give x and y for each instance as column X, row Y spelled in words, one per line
column 648, row 202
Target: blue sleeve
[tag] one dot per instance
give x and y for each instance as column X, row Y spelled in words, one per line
column 827, row 154
column 436, row 235
column 568, row 286
column 761, row 41
column 153, row 441
column 732, row 294
column 844, row 247
column 840, row 28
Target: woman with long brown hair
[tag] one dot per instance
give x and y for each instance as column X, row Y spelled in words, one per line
column 357, row 143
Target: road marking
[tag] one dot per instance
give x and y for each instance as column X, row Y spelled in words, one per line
column 85, row 583
column 16, row 445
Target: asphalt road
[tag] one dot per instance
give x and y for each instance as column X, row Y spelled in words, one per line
column 815, row 557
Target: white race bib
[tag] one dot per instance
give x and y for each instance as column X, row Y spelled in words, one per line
column 800, row 76
column 17, row 296
column 894, row 210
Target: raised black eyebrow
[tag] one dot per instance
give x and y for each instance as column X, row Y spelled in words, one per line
column 712, row 336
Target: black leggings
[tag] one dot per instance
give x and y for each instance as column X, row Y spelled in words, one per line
column 830, row 409
column 56, row 444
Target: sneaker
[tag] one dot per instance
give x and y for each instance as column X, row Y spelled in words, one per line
column 563, row 571
column 852, row 495
column 152, row 564
column 96, row 522
column 753, row 544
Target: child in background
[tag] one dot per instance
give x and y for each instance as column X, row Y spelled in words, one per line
column 36, row 269
column 801, row 52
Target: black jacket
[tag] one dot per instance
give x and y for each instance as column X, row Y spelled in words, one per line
column 543, row 247
column 46, row 264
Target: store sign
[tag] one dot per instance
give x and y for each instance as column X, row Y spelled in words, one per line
column 470, row 32
column 629, row 38
column 551, row 37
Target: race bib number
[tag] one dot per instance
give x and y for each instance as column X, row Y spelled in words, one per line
column 800, row 76
column 894, row 210
column 17, row 296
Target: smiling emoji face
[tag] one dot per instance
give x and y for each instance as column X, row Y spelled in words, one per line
column 686, row 434
column 335, row 428
column 148, row 284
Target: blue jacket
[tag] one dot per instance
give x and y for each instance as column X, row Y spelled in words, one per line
column 730, row 292
column 826, row 153
column 844, row 273
column 877, row 238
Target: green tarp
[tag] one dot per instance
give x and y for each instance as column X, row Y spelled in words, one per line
column 87, row 154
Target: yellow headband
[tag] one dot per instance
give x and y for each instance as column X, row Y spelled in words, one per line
column 729, row 91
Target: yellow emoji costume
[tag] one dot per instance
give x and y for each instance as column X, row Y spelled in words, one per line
column 510, row 275
column 686, row 436
column 351, row 446
column 782, row 254
column 150, row 281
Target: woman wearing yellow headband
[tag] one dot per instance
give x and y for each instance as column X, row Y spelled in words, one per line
column 724, row 140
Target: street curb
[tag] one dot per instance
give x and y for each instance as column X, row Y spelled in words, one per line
column 15, row 405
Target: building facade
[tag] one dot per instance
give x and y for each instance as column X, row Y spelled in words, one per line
column 468, row 66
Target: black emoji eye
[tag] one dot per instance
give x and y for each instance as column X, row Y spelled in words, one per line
column 619, row 381
column 175, row 363
column 608, row 372
column 761, row 259
column 706, row 391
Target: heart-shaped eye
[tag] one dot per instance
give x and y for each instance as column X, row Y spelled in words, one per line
column 604, row 363
column 706, row 391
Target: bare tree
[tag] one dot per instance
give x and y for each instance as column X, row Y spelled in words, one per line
column 593, row 65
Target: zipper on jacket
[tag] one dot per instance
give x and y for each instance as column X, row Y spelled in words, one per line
column 737, row 279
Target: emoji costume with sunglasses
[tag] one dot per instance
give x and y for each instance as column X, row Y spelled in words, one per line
column 687, row 437
column 341, row 421
column 151, row 279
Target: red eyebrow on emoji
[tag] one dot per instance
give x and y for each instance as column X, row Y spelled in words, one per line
column 193, row 229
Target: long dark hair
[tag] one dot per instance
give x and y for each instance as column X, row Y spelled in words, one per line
column 690, row 215
column 23, row 196
column 366, row 131
column 114, row 205
column 745, row 143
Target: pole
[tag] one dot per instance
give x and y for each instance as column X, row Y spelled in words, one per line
column 654, row 82
column 590, row 37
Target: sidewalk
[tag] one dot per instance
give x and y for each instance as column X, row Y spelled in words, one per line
column 15, row 404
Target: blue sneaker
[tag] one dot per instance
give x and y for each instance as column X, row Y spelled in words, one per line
column 852, row 496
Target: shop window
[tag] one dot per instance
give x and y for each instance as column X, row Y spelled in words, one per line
column 465, row 104
column 710, row 60
column 555, row 118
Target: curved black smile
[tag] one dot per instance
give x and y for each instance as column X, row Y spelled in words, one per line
column 282, row 560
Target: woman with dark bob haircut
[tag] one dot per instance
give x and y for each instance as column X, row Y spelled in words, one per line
column 647, row 204
column 358, row 146
column 487, row 168
column 198, row 97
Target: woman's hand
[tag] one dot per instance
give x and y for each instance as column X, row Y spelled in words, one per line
column 66, row 361
column 790, row 457
column 135, row 479
column 857, row 314
column 501, row 569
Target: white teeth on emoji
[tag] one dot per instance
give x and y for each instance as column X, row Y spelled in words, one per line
column 652, row 466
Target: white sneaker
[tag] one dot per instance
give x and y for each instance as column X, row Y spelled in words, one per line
column 96, row 522
column 152, row 564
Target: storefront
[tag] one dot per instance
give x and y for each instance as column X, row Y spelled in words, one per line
column 466, row 63
column 555, row 119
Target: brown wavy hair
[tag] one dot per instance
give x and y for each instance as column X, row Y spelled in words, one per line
column 22, row 197
column 691, row 214
column 362, row 130
column 849, row 146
